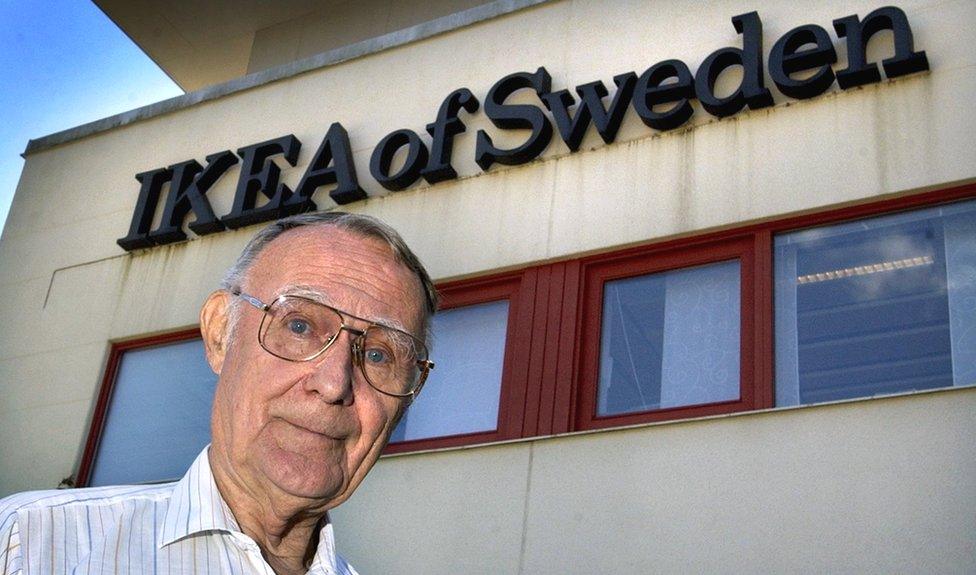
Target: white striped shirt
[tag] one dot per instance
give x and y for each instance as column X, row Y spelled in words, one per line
column 182, row 527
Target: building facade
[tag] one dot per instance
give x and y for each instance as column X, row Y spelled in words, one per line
column 708, row 271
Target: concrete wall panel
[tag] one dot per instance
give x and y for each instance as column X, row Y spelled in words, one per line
column 40, row 446
column 870, row 486
column 455, row 512
column 34, row 380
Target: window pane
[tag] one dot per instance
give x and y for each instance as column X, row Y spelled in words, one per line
column 159, row 416
column 877, row 306
column 670, row 339
column 461, row 395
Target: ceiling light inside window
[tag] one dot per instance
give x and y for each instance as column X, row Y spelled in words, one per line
column 866, row 269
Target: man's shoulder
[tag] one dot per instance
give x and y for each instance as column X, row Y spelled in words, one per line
column 82, row 497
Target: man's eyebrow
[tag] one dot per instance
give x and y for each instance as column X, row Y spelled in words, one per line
column 323, row 298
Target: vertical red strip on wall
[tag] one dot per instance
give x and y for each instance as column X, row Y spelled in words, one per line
column 567, row 349
column 749, row 313
column 763, row 356
column 511, row 403
column 525, row 314
column 537, row 349
column 550, row 353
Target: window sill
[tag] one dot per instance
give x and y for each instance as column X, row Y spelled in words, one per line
column 971, row 388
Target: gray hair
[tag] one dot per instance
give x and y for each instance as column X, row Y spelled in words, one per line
column 363, row 225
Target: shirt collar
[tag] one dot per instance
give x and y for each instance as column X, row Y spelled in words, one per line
column 196, row 506
column 324, row 562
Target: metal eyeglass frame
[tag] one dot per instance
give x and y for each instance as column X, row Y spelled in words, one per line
column 425, row 365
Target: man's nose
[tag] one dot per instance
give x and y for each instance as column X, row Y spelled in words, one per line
column 335, row 370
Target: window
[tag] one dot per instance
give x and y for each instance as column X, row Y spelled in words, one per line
column 468, row 396
column 864, row 300
column 668, row 333
column 876, row 306
column 461, row 395
column 153, row 416
column 670, row 339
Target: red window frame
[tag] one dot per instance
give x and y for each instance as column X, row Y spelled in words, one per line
column 551, row 354
column 471, row 292
column 598, row 270
column 104, row 401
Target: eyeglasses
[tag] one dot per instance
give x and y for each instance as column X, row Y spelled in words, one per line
column 296, row 328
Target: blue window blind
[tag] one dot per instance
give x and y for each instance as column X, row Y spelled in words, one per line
column 876, row 306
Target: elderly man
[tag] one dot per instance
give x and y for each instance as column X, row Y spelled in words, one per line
column 317, row 338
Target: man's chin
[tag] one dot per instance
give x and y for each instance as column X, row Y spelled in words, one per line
column 313, row 474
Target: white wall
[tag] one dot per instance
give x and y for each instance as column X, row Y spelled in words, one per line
column 340, row 24
column 872, row 486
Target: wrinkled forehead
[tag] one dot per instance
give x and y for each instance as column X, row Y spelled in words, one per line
column 347, row 270
column 312, row 294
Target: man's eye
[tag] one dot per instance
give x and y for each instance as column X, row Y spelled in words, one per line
column 376, row 356
column 299, row 326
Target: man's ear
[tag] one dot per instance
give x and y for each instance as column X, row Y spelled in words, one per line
column 214, row 316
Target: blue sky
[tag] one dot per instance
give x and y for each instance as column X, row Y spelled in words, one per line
column 64, row 63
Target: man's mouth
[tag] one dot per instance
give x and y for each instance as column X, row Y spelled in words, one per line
column 319, row 430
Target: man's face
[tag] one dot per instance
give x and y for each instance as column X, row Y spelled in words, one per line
column 311, row 429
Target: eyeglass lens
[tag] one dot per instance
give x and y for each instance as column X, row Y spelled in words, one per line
column 298, row 329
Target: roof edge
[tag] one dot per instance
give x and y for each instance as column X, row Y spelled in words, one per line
column 98, row 4
column 395, row 39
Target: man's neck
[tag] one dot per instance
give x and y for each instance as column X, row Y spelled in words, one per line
column 287, row 531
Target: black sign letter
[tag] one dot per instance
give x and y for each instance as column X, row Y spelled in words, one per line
column 260, row 174
column 152, row 182
column 786, row 58
column 515, row 116
column 591, row 95
column 652, row 91
column 186, row 192
column 443, row 131
column 752, row 90
column 905, row 61
column 382, row 158
column 333, row 149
